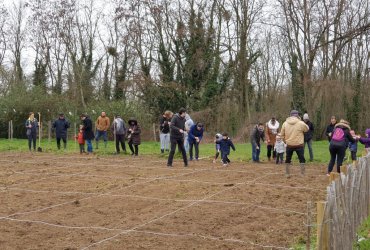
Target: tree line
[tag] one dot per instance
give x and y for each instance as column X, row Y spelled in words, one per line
column 231, row 63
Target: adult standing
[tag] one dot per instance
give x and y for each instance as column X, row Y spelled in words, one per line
column 88, row 133
column 164, row 128
column 119, row 130
column 257, row 135
column 61, row 126
column 330, row 127
column 188, row 123
column 272, row 129
column 134, row 136
column 195, row 136
column 308, row 136
column 292, row 133
column 338, row 144
column 177, row 129
column 102, row 125
column 32, row 126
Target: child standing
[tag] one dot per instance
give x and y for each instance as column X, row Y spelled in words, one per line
column 280, row 149
column 225, row 145
column 218, row 147
column 81, row 140
column 353, row 146
column 134, row 137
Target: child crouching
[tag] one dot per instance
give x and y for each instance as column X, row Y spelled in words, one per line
column 280, row 149
column 225, row 145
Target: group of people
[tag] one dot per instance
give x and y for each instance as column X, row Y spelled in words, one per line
column 295, row 134
column 181, row 131
column 87, row 133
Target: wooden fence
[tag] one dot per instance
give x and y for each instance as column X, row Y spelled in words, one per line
column 346, row 207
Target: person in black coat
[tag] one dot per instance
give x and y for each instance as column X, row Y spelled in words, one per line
column 308, row 136
column 340, row 138
column 61, row 126
column 88, row 131
column 177, row 129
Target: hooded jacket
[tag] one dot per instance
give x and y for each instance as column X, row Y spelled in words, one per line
column 61, row 126
column 292, row 131
column 194, row 132
column 177, row 123
column 347, row 135
column 134, row 136
column 225, row 145
column 366, row 140
column 118, row 126
column 88, row 129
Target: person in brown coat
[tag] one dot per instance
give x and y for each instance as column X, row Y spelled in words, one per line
column 133, row 136
column 102, row 125
column 272, row 129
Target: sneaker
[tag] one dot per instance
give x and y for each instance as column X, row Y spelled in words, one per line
column 328, row 174
column 186, row 165
column 214, row 161
column 224, row 165
column 169, row 165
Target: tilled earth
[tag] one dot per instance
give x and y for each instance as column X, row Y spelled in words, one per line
column 70, row 201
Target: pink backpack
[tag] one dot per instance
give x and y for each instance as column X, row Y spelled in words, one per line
column 338, row 135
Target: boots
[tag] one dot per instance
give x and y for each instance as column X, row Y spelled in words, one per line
column 303, row 168
column 287, row 170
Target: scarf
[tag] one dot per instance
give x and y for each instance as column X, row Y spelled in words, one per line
column 273, row 128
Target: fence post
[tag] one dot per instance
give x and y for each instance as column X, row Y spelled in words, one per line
column 9, row 130
column 322, row 227
column 333, row 176
column 154, row 134
column 49, row 132
column 308, row 241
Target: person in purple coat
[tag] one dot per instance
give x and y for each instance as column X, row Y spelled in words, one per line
column 366, row 140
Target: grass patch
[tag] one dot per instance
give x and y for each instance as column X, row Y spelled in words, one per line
column 363, row 242
column 243, row 150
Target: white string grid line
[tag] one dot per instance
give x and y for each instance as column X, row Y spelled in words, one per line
column 164, row 199
column 179, row 180
column 91, row 196
column 213, row 168
column 193, row 201
column 171, row 213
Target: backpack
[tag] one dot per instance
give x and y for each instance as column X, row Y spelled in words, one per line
column 338, row 135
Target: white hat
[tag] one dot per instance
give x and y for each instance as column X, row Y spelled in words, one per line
column 305, row 117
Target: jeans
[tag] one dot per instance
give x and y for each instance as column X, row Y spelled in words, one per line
column 100, row 133
column 89, row 146
column 186, row 142
column 256, row 152
column 299, row 151
column 32, row 139
column 279, row 158
column 196, row 146
column 353, row 155
column 120, row 139
column 269, row 149
column 180, row 143
column 165, row 141
column 336, row 152
column 309, row 144
column 64, row 142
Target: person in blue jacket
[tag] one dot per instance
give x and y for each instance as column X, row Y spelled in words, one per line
column 225, row 145
column 61, row 126
column 194, row 137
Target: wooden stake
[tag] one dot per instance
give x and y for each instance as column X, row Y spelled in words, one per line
column 154, row 134
column 308, row 240
column 333, row 176
column 322, row 227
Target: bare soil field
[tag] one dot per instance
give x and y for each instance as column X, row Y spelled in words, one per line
column 86, row 202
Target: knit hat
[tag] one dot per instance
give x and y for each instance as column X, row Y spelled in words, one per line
column 305, row 117
column 294, row 113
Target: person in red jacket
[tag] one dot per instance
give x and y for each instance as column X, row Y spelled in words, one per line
column 81, row 140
